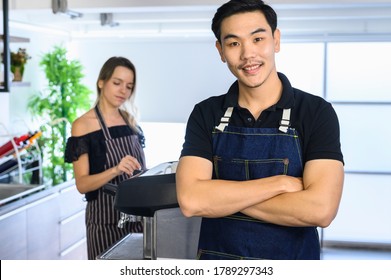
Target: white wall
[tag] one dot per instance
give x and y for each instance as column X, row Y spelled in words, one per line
column 40, row 43
column 172, row 74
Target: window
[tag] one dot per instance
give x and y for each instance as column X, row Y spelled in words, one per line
column 303, row 64
column 359, row 72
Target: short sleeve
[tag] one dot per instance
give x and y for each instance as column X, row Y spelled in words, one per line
column 198, row 137
column 141, row 137
column 75, row 147
column 324, row 141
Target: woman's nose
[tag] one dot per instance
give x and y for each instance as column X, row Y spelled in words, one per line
column 124, row 88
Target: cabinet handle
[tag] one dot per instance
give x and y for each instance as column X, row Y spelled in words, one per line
column 73, row 247
column 68, row 189
column 73, row 217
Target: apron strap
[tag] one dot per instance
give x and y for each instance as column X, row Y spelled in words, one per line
column 285, row 121
column 225, row 119
column 105, row 130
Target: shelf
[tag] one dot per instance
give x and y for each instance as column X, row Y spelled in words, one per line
column 15, row 39
column 17, row 84
column 20, row 84
column 20, row 155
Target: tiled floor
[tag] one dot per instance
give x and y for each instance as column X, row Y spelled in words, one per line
column 332, row 253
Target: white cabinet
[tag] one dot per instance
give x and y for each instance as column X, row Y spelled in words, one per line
column 47, row 225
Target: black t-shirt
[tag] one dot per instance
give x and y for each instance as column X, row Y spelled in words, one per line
column 313, row 118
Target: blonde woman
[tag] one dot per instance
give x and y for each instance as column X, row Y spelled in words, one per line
column 106, row 146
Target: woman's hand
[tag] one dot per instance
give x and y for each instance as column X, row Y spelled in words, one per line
column 127, row 165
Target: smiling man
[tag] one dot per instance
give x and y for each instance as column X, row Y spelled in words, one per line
column 262, row 164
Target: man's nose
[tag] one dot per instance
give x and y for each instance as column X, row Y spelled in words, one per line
column 248, row 50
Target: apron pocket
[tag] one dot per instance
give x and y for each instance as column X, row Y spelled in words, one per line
column 232, row 169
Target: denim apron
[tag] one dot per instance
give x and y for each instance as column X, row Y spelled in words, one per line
column 242, row 153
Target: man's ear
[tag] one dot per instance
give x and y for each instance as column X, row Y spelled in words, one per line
column 277, row 38
column 220, row 49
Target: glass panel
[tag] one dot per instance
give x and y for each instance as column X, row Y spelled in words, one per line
column 365, row 137
column 364, row 213
column 303, row 64
column 359, row 71
column 163, row 141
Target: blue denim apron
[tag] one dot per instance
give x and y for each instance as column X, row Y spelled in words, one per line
column 240, row 154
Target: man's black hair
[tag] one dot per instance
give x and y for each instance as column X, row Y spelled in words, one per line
column 242, row 6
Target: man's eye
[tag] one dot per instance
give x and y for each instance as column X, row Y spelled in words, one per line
column 234, row 44
column 258, row 39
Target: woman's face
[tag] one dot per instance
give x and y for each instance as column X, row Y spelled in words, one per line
column 119, row 88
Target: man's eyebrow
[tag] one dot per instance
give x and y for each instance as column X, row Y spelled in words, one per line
column 259, row 30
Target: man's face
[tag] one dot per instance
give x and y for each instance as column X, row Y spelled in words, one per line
column 248, row 47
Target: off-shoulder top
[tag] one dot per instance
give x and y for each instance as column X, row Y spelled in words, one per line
column 93, row 144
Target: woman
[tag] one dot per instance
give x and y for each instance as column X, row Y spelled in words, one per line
column 106, row 146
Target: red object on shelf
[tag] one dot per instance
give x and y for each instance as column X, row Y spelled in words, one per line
column 30, row 141
column 8, row 147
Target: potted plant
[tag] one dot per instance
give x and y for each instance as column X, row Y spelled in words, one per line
column 64, row 99
column 18, row 60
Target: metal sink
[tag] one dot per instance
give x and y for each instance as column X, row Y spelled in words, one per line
column 9, row 192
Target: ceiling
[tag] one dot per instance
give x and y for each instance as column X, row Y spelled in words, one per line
column 152, row 18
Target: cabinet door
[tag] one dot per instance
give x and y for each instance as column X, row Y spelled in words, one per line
column 72, row 232
column 43, row 229
column 72, row 224
column 13, row 240
column 71, row 202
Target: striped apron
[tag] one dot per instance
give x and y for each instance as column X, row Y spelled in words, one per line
column 101, row 217
column 242, row 153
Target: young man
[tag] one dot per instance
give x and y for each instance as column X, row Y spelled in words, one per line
column 261, row 164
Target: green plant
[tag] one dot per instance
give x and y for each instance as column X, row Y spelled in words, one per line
column 18, row 60
column 20, row 57
column 64, row 99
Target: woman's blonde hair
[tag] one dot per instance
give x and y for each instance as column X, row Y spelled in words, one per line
column 129, row 111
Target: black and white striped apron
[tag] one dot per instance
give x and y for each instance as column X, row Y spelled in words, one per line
column 101, row 217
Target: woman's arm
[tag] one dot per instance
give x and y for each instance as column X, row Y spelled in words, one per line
column 86, row 182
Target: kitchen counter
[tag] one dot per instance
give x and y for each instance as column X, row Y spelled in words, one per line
column 13, row 192
column 40, row 222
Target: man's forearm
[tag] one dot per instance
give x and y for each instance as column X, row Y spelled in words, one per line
column 316, row 205
column 284, row 210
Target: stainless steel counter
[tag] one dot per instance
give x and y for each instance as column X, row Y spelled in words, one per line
column 177, row 238
column 12, row 192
